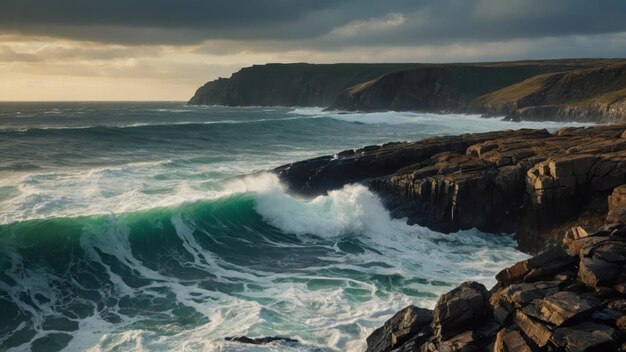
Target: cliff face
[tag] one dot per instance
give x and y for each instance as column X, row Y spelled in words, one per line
column 436, row 87
column 288, row 84
column 530, row 182
column 568, row 90
column 590, row 94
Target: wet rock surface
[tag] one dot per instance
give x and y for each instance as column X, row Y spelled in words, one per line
column 576, row 305
column 563, row 193
column 409, row 326
column 531, row 182
column 262, row 340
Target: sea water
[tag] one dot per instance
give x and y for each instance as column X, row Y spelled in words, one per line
column 125, row 226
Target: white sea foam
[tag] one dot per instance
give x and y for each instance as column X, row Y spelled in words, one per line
column 330, row 305
column 439, row 123
column 464, row 122
column 354, row 210
column 324, row 318
column 309, row 111
column 108, row 190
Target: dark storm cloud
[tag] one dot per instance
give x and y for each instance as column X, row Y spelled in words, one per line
column 325, row 22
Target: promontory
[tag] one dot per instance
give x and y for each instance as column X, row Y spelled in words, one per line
column 592, row 90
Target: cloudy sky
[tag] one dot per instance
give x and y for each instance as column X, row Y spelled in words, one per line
column 165, row 49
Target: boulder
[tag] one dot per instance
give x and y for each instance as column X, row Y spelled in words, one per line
column 595, row 272
column 618, row 304
column 620, row 323
column 509, row 340
column 411, row 323
column 522, row 294
column 583, row 246
column 463, row 342
column 564, row 307
column 573, row 234
column 617, row 199
column 585, row 337
column 262, row 340
column 537, row 331
column 571, row 302
column 550, row 262
column 460, row 309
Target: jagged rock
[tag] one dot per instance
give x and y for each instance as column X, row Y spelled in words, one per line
column 552, row 261
column 537, row 331
column 620, row 323
column 607, row 316
column 616, row 216
column 510, row 341
column 564, row 307
column 487, row 330
column 522, row 294
column 618, row 304
column 261, row 340
column 540, row 316
column 596, row 272
column 463, row 342
column 582, row 246
column 585, row 337
column 411, row 323
column 617, row 199
column 573, row 234
column 460, row 309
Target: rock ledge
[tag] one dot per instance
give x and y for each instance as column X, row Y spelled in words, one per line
column 570, row 298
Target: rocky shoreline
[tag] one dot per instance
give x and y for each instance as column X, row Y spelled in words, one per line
column 570, row 298
column 551, row 189
column 531, row 182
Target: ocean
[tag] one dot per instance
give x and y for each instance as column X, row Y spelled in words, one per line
column 133, row 227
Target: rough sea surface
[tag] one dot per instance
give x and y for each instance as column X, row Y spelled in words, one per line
column 123, row 227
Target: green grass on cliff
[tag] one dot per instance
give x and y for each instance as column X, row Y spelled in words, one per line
column 488, row 87
column 602, row 83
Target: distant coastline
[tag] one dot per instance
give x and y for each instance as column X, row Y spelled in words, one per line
column 584, row 90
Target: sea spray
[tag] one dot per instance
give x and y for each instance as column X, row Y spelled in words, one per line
column 129, row 227
column 325, row 270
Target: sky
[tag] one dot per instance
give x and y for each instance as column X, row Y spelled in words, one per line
column 165, row 49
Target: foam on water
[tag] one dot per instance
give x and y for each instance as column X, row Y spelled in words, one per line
column 142, row 236
column 361, row 267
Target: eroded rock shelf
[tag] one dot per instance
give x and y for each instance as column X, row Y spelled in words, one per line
column 563, row 193
column 531, row 182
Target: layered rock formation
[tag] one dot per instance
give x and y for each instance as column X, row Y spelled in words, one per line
column 579, row 90
column 549, row 188
column 531, row 182
column 570, row 298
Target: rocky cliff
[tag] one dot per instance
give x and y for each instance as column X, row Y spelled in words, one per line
column 579, row 90
column 531, row 182
column 564, row 193
column 288, row 84
column 597, row 94
column 448, row 87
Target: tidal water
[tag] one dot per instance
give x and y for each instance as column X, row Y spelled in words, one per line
column 123, row 227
